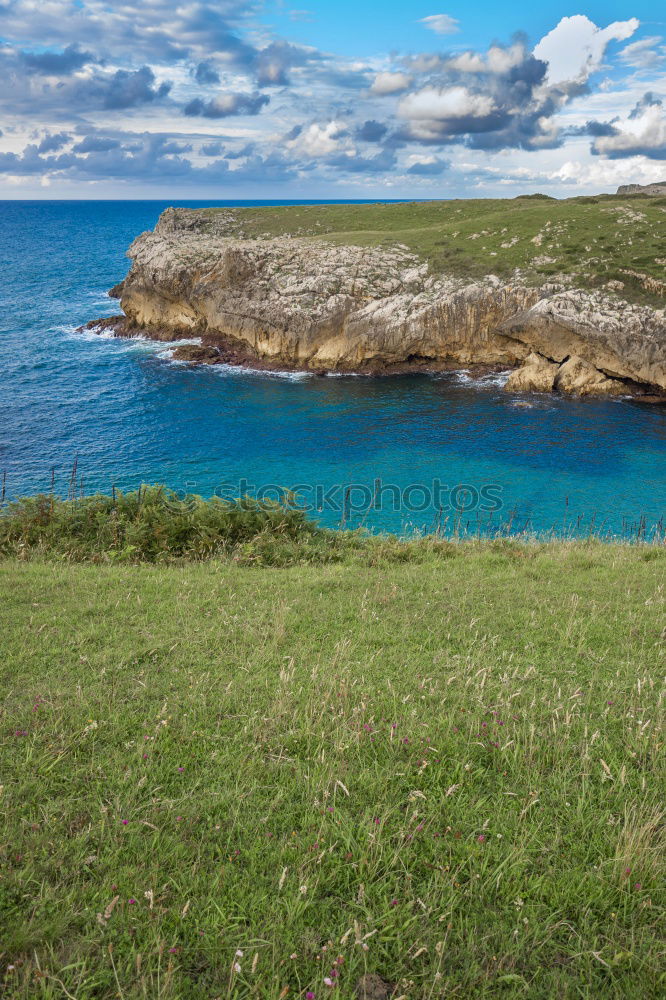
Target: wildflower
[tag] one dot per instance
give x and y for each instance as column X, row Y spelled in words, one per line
column 239, row 954
column 394, row 902
column 131, row 902
column 124, row 822
column 181, row 769
column 303, row 889
column 481, row 838
column 293, row 955
column 637, row 885
column 237, row 967
column 173, row 951
column 328, row 981
column 309, row 995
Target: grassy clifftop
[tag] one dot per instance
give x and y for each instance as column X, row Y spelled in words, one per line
column 223, row 781
column 593, row 239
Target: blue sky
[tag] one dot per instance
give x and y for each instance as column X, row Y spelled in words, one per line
column 237, row 99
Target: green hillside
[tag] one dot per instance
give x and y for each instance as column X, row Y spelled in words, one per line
column 592, row 239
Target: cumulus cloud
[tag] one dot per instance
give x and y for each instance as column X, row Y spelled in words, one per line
column 212, row 149
column 319, row 140
column 371, row 131
column 645, row 136
column 648, row 100
column 352, row 163
column 56, row 63
column 157, row 158
column 275, row 60
column 226, row 105
column 96, row 144
column 52, row 142
column 445, row 105
column 428, row 166
column 390, row 83
column 492, row 100
column 441, row 24
column 205, row 72
column 126, row 89
column 575, row 48
column 76, row 74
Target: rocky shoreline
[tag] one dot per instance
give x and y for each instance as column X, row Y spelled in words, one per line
column 291, row 304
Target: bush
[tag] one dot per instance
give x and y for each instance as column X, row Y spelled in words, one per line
column 154, row 524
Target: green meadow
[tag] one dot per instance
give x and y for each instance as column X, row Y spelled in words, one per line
column 590, row 239
column 419, row 770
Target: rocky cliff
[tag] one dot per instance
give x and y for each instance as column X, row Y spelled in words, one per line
column 306, row 303
column 654, row 190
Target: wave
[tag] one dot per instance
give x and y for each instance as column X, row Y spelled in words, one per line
column 493, row 380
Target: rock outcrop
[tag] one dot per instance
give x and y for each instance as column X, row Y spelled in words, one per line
column 306, row 303
column 658, row 188
column 536, row 375
column 583, row 379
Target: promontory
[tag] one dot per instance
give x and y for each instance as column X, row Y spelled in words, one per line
column 570, row 294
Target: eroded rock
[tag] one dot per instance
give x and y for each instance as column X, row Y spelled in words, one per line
column 196, row 354
column 579, row 377
column 304, row 303
column 536, row 375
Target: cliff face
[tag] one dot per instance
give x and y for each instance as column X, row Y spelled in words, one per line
column 309, row 304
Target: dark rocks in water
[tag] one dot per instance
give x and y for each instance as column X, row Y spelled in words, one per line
column 117, row 290
column 651, row 398
column 196, row 354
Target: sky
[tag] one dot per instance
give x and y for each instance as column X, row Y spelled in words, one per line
column 332, row 99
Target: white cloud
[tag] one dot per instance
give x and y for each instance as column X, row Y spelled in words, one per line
column 645, row 135
column 435, row 104
column 644, row 54
column 390, row 83
column 575, row 48
column 497, row 60
column 320, row 140
column 441, row 24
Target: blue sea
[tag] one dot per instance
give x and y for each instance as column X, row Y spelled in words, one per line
column 402, row 454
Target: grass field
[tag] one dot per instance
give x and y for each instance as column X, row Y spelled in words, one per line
column 593, row 239
column 447, row 773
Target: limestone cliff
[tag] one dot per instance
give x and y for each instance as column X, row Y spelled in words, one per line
column 306, row 303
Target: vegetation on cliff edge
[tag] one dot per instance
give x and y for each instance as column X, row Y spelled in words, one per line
column 592, row 239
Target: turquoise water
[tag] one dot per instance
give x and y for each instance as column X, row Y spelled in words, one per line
column 128, row 415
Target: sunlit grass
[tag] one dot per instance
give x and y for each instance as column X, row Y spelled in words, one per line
column 592, row 239
column 447, row 773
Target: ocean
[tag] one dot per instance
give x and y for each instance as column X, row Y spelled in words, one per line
column 401, row 454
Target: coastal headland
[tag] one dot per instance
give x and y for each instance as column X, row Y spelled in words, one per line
column 569, row 294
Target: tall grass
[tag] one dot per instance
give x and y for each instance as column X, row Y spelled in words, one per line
column 426, row 780
column 154, row 524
